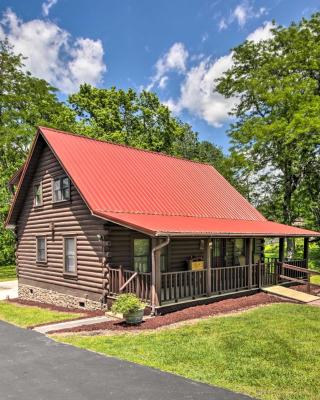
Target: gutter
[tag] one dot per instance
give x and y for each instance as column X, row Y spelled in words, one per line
column 153, row 271
column 238, row 234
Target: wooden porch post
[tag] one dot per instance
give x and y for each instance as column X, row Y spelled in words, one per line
column 281, row 259
column 250, row 248
column 207, row 264
column 306, row 251
column 281, row 249
column 155, row 276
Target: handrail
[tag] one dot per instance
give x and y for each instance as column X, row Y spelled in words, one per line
column 128, row 281
column 300, row 269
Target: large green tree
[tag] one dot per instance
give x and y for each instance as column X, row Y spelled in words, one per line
column 25, row 102
column 140, row 120
column 276, row 136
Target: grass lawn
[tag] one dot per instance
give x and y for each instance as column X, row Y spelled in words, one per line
column 7, row 273
column 270, row 353
column 25, row 316
column 315, row 279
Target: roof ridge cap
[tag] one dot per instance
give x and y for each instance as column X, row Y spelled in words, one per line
column 158, row 153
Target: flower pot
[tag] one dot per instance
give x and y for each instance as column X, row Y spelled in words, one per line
column 134, row 317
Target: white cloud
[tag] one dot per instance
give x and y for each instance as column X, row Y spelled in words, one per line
column 262, row 33
column 205, row 37
column 163, row 82
column 198, row 95
column 222, row 24
column 241, row 14
column 46, row 6
column 174, row 60
column 52, row 54
column 197, row 92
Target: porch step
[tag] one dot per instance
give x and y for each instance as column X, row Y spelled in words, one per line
column 291, row 294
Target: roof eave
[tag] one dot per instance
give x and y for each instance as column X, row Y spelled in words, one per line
column 124, row 224
column 8, row 223
column 234, row 234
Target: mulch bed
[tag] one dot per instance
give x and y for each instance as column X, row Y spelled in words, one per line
column 201, row 311
column 52, row 307
column 315, row 289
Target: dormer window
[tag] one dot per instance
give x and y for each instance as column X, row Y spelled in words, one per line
column 61, row 189
column 37, row 199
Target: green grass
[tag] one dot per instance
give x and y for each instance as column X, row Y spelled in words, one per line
column 270, row 353
column 315, row 279
column 26, row 316
column 7, row 273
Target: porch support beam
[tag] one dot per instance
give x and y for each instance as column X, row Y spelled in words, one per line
column 306, row 251
column 157, row 245
column 250, row 251
column 281, row 249
column 207, row 264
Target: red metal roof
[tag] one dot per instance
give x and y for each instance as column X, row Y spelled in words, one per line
column 184, row 226
column 156, row 193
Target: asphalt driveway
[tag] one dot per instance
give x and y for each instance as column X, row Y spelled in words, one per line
column 33, row 367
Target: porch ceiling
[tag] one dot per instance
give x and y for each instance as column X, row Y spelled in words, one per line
column 171, row 225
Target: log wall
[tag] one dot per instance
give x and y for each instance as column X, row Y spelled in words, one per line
column 68, row 218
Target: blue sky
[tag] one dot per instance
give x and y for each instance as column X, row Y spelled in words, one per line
column 174, row 47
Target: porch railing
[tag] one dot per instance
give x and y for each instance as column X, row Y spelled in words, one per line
column 193, row 284
column 272, row 271
column 138, row 283
column 183, row 284
column 230, row 279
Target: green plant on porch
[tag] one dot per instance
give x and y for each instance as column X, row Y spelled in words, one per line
column 130, row 306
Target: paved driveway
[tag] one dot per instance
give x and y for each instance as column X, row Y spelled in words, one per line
column 9, row 289
column 33, row 367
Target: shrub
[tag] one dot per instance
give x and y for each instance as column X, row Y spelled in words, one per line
column 127, row 303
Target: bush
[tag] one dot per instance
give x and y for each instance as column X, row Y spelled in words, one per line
column 127, row 303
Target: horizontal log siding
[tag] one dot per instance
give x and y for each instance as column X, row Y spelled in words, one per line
column 122, row 245
column 69, row 218
column 179, row 252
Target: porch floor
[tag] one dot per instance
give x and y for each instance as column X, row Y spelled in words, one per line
column 291, row 294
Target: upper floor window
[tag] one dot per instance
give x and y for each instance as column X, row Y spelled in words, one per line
column 61, row 189
column 41, row 249
column 37, row 194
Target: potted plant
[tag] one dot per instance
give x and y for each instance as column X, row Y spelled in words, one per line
column 130, row 306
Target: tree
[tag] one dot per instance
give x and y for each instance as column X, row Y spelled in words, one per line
column 25, row 102
column 139, row 120
column 276, row 136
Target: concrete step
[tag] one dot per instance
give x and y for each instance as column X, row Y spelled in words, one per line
column 71, row 324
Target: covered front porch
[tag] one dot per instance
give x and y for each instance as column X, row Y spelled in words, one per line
column 228, row 266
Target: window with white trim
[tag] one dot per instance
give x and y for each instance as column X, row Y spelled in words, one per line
column 41, row 249
column 37, row 190
column 61, row 189
column 70, row 255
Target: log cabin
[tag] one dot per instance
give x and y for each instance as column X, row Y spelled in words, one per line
column 93, row 219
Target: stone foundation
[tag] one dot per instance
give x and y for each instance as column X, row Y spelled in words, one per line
column 26, row 292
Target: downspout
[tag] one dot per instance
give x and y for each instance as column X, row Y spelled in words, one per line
column 153, row 271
